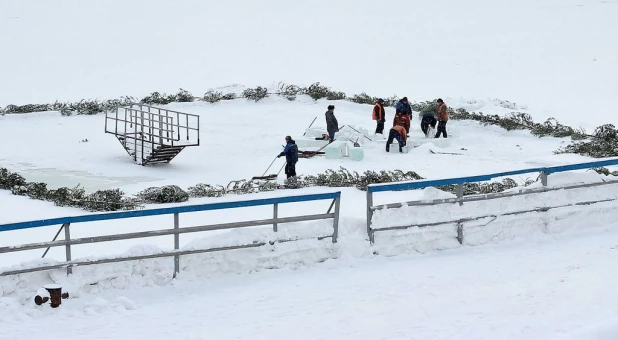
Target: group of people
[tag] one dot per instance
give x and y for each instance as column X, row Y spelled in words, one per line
column 401, row 122
column 400, row 130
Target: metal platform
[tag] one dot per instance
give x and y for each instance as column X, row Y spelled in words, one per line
column 152, row 135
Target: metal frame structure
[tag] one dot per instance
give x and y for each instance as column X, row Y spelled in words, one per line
column 66, row 223
column 460, row 199
column 144, row 129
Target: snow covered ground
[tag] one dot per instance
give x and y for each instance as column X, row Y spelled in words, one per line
column 545, row 276
column 534, row 289
column 240, row 139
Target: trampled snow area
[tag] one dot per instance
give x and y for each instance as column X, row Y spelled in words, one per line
column 541, row 275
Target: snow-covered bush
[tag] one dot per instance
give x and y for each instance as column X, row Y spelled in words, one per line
column 256, row 94
column 164, row 194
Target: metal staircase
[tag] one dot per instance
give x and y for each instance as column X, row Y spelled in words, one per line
column 153, row 135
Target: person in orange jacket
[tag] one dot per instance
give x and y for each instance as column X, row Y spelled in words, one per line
column 397, row 132
column 442, row 118
column 379, row 115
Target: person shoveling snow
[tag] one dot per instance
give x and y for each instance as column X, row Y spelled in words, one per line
column 291, row 156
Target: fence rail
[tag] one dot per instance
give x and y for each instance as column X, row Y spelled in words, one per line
column 460, row 199
column 66, row 223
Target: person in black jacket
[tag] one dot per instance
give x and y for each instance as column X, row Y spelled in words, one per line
column 428, row 120
column 332, row 125
column 291, row 156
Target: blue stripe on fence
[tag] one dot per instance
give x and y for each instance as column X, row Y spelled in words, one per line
column 461, row 180
column 167, row 211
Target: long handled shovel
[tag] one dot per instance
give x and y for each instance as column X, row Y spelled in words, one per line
column 281, row 169
column 269, row 177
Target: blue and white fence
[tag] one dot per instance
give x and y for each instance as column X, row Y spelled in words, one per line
column 332, row 213
column 66, row 223
column 460, row 199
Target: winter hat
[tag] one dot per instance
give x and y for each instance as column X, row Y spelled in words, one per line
column 380, row 100
column 405, row 99
column 331, row 107
column 440, row 100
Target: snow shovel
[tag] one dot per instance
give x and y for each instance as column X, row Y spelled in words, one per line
column 269, row 177
column 310, row 125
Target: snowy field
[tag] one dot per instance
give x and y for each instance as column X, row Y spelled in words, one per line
column 536, row 276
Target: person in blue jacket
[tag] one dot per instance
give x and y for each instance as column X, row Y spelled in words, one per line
column 291, row 156
column 404, row 107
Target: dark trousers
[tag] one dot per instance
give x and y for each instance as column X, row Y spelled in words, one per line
column 426, row 122
column 331, row 136
column 380, row 127
column 394, row 135
column 290, row 169
column 441, row 129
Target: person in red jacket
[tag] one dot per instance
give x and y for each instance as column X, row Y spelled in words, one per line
column 379, row 115
column 403, row 120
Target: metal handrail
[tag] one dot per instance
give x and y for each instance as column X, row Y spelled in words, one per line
column 158, row 108
column 460, row 181
column 176, row 230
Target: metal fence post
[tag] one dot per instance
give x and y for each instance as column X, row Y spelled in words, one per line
column 176, row 244
column 369, row 215
column 544, row 178
column 275, row 214
column 336, row 220
column 460, row 192
column 67, row 238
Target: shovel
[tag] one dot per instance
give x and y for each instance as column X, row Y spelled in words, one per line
column 269, row 177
